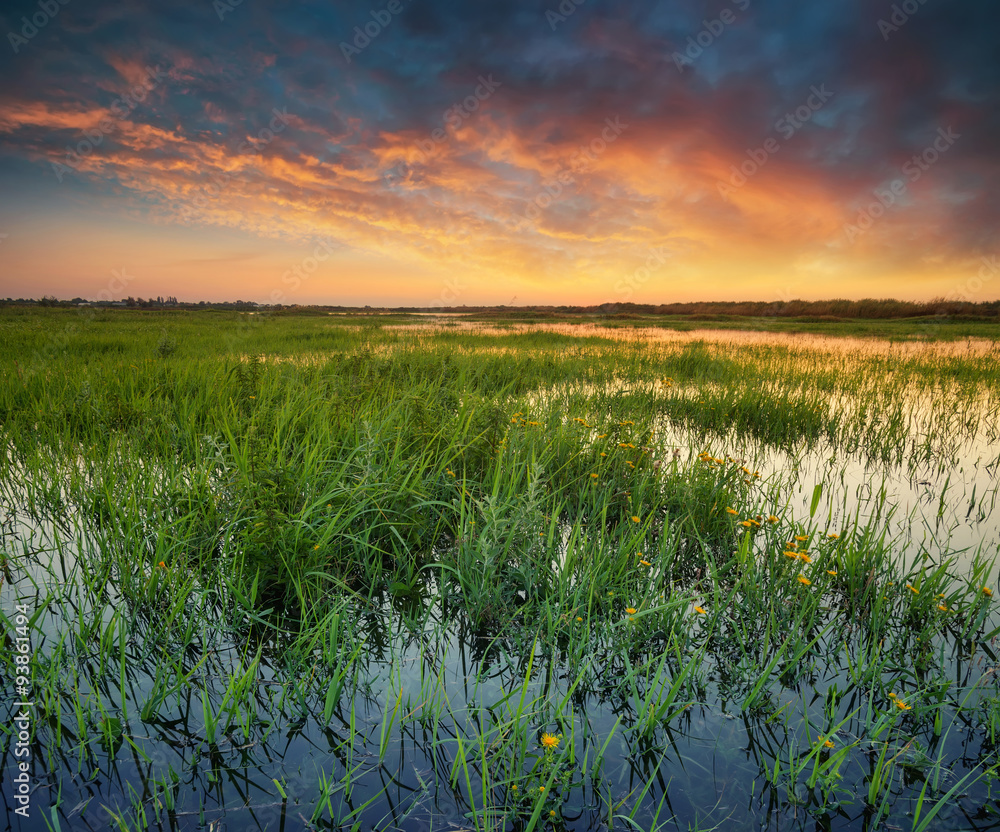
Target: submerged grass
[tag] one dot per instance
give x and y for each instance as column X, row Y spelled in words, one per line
column 310, row 572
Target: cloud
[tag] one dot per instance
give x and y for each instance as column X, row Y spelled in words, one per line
column 355, row 160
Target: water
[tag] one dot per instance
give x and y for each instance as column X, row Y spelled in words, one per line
column 431, row 726
column 942, row 503
column 435, row 721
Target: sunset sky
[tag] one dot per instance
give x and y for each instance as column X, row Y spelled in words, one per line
column 445, row 152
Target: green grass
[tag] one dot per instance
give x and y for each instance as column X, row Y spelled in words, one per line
column 344, row 571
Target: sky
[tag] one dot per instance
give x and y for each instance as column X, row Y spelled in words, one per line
column 445, row 153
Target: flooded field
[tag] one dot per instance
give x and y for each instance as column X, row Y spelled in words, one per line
column 300, row 575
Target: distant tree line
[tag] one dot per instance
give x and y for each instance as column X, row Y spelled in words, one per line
column 838, row 309
column 816, row 310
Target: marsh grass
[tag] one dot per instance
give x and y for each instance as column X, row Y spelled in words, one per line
column 303, row 571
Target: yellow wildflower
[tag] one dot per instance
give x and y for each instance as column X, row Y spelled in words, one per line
column 801, row 537
column 162, row 565
column 802, row 579
column 630, row 610
column 700, row 610
column 903, row 706
column 772, row 519
column 832, row 572
column 593, row 476
column 578, row 619
column 635, row 519
column 828, row 744
column 833, row 536
column 987, row 592
column 942, row 607
column 805, row 558
column 730, row 510
column 549, row 741
column 790, row 554
column 913, row 589
column 645, row 562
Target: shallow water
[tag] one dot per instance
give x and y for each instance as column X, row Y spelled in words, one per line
column 705, row 768
column 943, row 503
column 390, row 756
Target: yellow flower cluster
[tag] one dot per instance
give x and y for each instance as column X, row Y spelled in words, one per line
column 518, row 419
